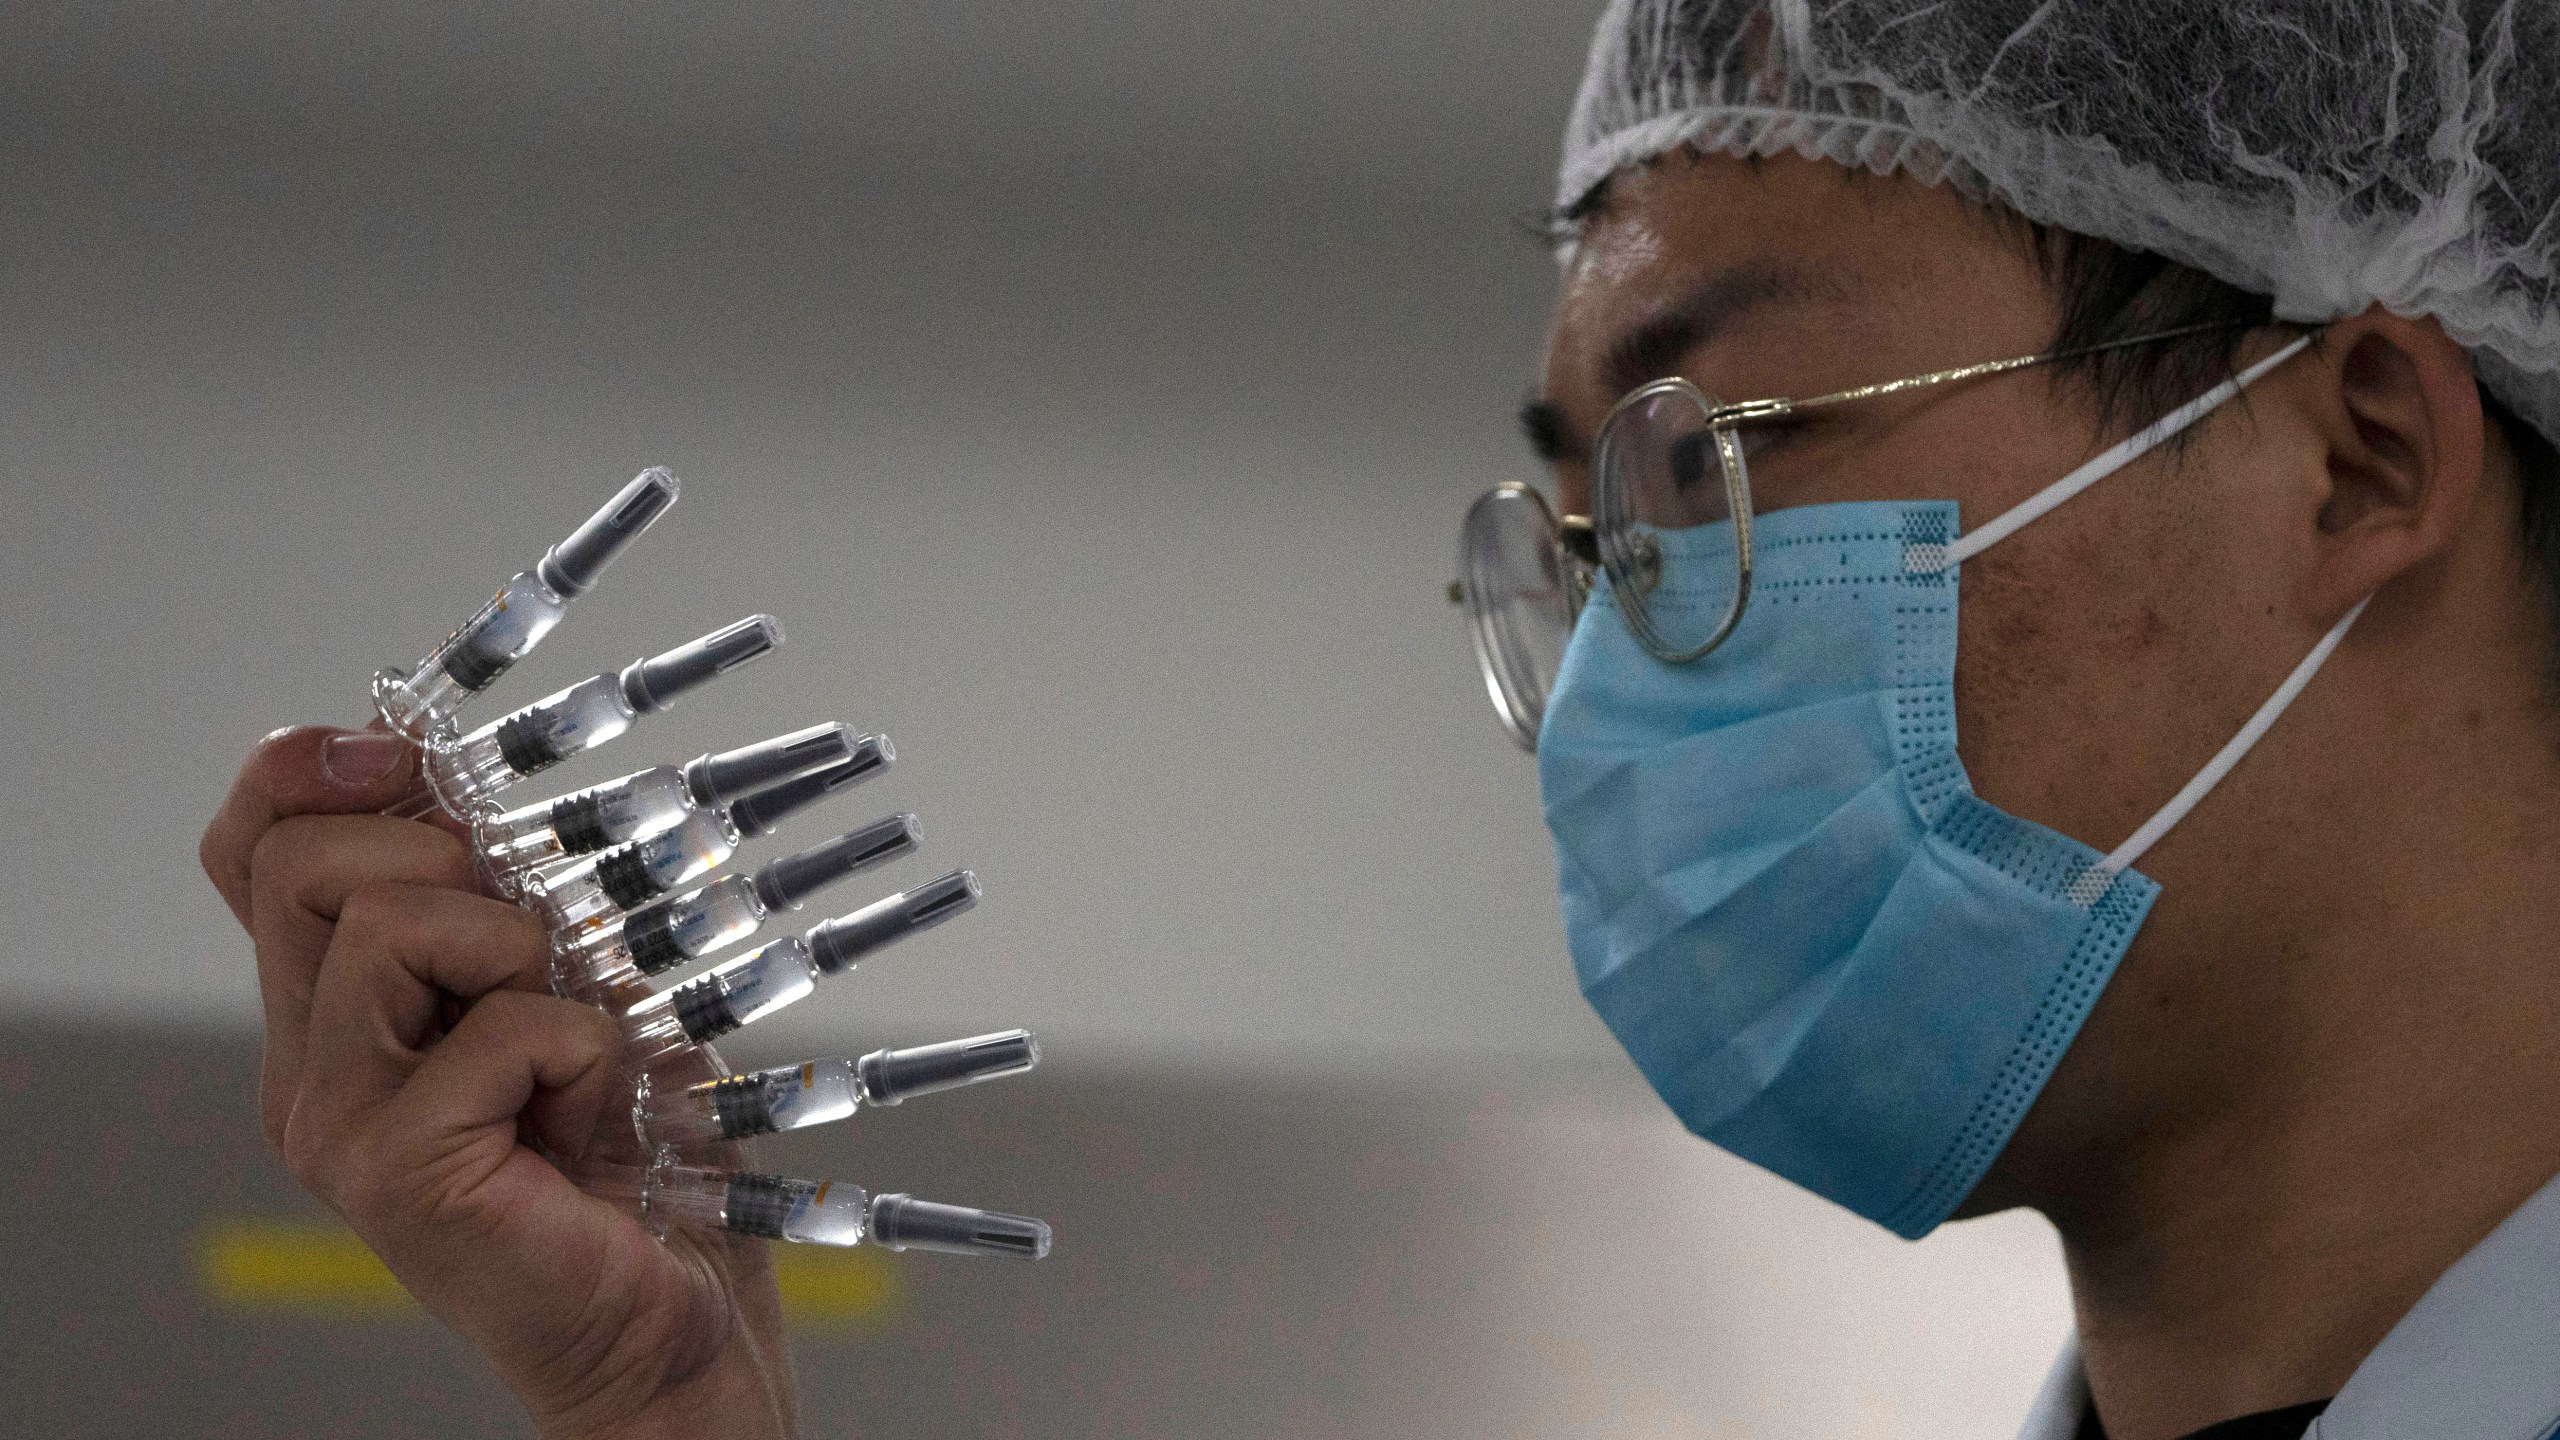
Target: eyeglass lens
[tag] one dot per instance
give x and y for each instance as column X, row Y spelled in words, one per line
column 1521, row 603
column 1662, row 502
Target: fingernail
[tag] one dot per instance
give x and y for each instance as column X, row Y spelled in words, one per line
column 362, row 759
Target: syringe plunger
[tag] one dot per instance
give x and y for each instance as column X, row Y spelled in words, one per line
column 890, row 1076
column 841, row 943
column 903, row 1222
column 571, row 567
column 653, row 684
column 765, row 810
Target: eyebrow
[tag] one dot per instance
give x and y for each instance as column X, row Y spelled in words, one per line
column 1652, row 349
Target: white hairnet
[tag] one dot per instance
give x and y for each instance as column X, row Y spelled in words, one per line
column 2330, row 153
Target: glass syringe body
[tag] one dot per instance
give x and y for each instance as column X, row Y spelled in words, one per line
column 727, row 997
column 769, row 1207
column 578, row 719
column 514, row 843
column 812, row 1212
column 471, row 659
column 745, row 990
column 789, row 1097
column 634, row 807
column 819, row 1092
column 569, row 723
column 421, row 701
column 591, row 892
column 669, row 933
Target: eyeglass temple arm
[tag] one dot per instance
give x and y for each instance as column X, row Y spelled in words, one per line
column 1580, row 538
column 1749, row 410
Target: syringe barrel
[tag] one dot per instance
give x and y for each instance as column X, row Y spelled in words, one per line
column 518, row 746
column 843, row 942
column 736, row 993
column 902, row 1222
column 805, row 1212
column 890, row 1076
column 672, row 1194
column 629, row 876
column 672, row 933
column 422, row 701
column 591, row 713
column 787, row 1097
column 634, row 807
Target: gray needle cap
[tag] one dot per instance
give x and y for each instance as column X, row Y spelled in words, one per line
column 903, row 1222
column 843, row 942
column 889, row 1076
column 573, row 565
column 653, row 684
column 762, row 812
column 719, row 779
column 785, row 883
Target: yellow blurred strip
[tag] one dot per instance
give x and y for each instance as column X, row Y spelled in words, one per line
column 295, row 1265
column 318, row 1268
column 823, row 1286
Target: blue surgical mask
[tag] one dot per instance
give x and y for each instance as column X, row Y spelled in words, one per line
column 1824, row 951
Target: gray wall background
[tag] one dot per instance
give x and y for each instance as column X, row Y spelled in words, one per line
column 1092, row 389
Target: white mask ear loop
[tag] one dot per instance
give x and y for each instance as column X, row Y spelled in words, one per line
column 1930, row 559
column 2093, row 882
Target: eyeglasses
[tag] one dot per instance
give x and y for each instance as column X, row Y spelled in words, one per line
column 1670, row 525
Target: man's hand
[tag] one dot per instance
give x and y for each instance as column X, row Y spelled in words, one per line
column 414, row 1058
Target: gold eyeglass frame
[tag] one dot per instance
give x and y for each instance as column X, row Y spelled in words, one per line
column 1633, row 560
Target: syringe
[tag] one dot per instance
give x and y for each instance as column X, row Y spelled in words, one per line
column 515, row 843
column 421, row 701
column 667, row 934
column 810, row 1212
column 820, row 1092
column 593, row 890
column 516, row 747
column 764, row 980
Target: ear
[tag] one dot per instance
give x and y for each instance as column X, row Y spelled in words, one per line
column 2398, row 407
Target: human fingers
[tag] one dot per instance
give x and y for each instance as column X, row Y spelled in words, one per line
column 599, row 1327
column 300, row 770
column 302, row 873
column 398, row 953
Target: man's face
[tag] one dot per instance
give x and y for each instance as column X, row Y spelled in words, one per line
column 2105, row 653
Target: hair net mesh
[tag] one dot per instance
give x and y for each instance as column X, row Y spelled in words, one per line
column 2333, row 154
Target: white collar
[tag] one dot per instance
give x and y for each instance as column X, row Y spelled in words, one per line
column 2478, row 1356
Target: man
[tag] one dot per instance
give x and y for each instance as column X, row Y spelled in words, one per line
column 2214, row 937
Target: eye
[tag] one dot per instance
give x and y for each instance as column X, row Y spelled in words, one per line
column 1691, row 455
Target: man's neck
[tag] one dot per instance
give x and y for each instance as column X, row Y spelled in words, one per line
column 2260, row 1278
column 2310, row 1094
